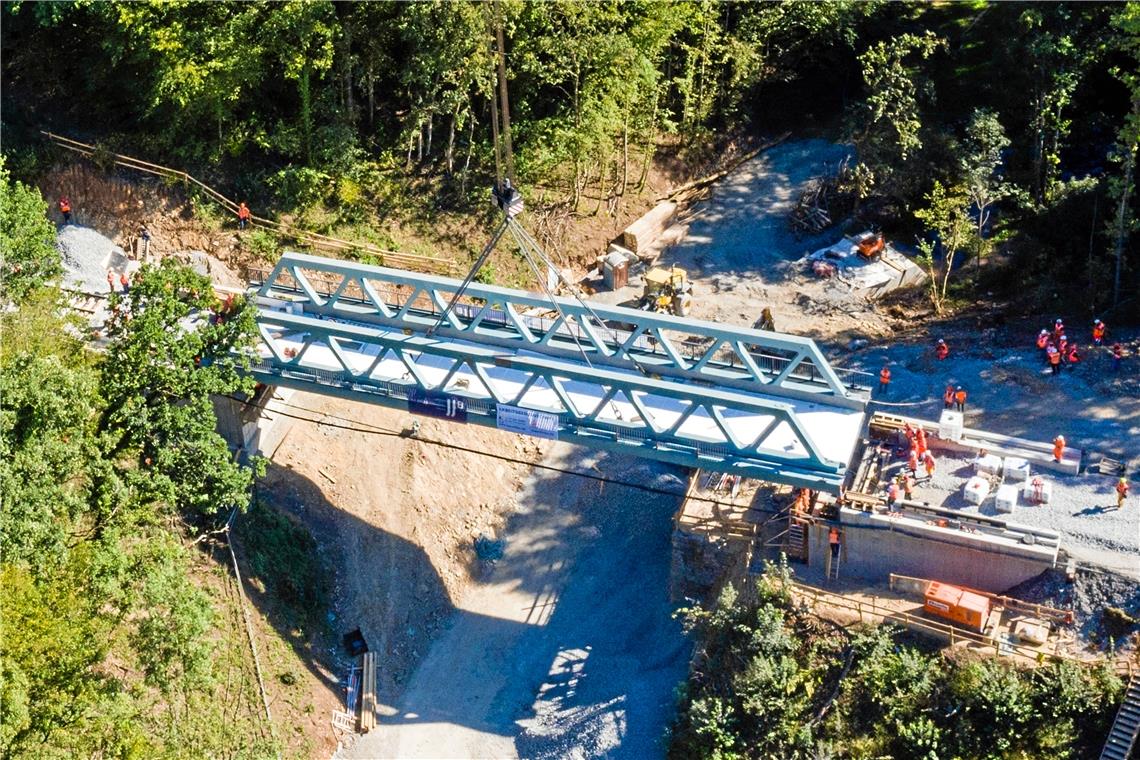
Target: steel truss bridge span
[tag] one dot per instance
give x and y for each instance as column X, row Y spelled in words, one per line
column 693, row 393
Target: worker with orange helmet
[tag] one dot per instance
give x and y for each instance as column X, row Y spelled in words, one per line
column 1058, row 448
column 1121, row 492
column 1098, row 332
column 884, row 380
column 941, row 350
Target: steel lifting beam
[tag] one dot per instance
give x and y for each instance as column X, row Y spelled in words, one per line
column 686, row 349
column 661, row 418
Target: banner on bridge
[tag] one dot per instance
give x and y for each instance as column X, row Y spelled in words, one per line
column 526, row 421
column 437, row 405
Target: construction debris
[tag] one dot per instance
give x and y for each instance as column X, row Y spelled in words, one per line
column 866, row 264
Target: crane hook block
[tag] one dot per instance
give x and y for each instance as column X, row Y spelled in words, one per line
column 507, row 198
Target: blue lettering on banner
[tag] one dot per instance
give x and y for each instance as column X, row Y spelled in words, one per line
column 526, row 421
column 437, row 405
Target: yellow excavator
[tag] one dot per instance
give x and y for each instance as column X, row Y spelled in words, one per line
column 667, row 291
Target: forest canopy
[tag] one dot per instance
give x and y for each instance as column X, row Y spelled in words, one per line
column 346, row 105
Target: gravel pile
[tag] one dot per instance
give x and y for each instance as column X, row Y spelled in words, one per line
column 87, row 256
column 1087, row 596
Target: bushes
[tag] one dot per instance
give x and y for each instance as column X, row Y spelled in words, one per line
column 764, row 668
column 283, row 556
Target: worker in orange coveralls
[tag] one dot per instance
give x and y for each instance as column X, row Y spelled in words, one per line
column 948, row 397
column 1098, row 332
column 1121, row 492
column 1058, row 448
column 928, row 463
column 941, row 350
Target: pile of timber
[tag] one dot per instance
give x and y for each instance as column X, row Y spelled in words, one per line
column 640, row 235
column 368, row 693
column 811, row 213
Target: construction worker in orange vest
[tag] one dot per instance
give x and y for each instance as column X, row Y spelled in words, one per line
column 948, row 397
column 912, row 461
column 1043, row 341
column 960, row 399
column 1058, row 329
column 941, row 350
column 920, row 439
column 1121, row 492
column 884, row 380
column 928, row 463
column 1054, row 359
column 1098, row 332
column 243, row 215
column 1058, row 448
column 1073, row 357
column 65, row 209
column 833, row 540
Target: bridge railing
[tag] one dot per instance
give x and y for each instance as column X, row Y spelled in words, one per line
column 797, row 366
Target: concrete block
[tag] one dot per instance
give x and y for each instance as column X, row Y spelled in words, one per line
column 950, row 425
column 1037, row 490
column 976, row 490
column 988, row 465
column 1016, row 469
column 1006, row 498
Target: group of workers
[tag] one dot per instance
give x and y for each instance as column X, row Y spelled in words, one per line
column 124, row 281
column 1057, row 350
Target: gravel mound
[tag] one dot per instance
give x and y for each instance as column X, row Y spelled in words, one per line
column 87, row 256
column 1087, row 596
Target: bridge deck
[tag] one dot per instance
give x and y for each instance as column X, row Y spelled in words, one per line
column 495, row 374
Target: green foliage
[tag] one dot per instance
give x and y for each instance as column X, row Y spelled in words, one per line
column 263, row 244
column 885, row 127
column 283, row 556
column 945, row 215
column 28, row 256
column 764, row 666
column 169, row 351
column 107, row 646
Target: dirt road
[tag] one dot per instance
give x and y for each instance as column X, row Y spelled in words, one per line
column 567, row 647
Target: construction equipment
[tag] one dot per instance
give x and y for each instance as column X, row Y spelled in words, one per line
column 871, row 246
column 667, row 291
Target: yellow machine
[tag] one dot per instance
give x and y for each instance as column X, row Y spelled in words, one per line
column 667, row 291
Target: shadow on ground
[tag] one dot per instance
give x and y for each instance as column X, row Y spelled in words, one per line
column 566, row 646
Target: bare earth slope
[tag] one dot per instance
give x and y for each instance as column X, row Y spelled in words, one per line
column 568, row 648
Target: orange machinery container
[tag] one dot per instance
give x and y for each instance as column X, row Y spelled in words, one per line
column 963, row 607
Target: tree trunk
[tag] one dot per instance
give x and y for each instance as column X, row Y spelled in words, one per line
column 1121, row 223
column 349, row 105
column 470, row 150
column 624, row 152
column 451, row 142
column 371, row 79
column 420, row 141
column 430, row 125
column 306, row 113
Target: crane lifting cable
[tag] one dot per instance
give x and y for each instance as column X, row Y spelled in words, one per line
column 507, row 199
